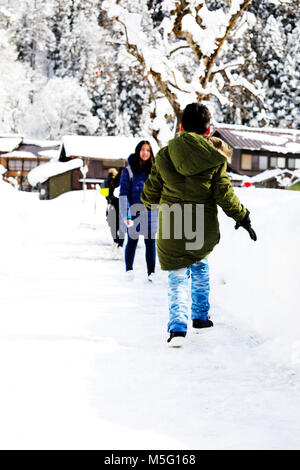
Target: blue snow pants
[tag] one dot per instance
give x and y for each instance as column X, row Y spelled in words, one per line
column 178, row 294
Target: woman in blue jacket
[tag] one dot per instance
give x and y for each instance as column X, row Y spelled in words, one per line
column 138, row 220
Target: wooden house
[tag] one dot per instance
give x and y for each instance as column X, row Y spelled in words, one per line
column 19, row 156
column 258, row 150
column 8, row 143
column 99, row 153
column 54, row 178
column 83, row 163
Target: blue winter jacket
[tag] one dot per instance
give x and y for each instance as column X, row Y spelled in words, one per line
column 131, row 190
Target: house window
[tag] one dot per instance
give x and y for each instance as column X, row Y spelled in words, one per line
column 14, row 165
column 255, row 162
column 263, row 162
column 294, row 163
column 246, row 161
column 278, row 162
column 273, row 162
column 29, row 164
column 291, row 163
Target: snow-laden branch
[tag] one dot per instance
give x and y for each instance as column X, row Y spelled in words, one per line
column 236, row 81
column 179, row 57
column 220, row 41
column 231, row 65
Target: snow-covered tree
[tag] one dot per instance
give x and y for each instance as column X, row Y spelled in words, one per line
column 59, row 24
column 75, row 25
column 181, row 56
column 56, row 106
column 61, row 107
column 273, row 48
column 117, row 88
column 291, row 81
column 141, row 61
column 15, row 86
column 34, row 38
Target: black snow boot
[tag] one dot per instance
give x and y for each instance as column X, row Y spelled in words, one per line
column 176, row 339
column 202, row 323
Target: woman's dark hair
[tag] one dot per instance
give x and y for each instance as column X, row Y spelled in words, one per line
column 195, row 118
column 137, row 163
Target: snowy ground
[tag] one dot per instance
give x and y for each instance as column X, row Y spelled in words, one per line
column 83, row 356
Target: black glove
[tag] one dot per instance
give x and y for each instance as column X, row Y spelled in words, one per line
column 246, row 224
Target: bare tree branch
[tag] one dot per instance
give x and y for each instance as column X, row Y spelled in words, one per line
column 132, row 48
column 177, row 49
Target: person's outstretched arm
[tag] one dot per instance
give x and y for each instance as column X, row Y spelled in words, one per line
column 225, row 197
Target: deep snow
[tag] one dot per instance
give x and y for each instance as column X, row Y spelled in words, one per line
column 83, row 356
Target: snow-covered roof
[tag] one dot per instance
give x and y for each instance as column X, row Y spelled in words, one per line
column 32, row 152
column 269, row 139
column 104, row 147
column 8, row 144
column 41, row 143
column 20, row 154
column 41, row 173
column 50, row 153
column 267, row 174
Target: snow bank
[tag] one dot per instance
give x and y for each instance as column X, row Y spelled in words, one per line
column 16, row 241
column 258, row 282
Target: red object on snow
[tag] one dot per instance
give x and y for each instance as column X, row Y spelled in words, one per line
column 247, row 184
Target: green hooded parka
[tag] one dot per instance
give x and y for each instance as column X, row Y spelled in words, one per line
column 190, row 171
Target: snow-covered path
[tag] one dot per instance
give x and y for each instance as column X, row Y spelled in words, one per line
column 84, row 362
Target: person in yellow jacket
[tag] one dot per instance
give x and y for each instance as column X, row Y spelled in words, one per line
column 112, row 211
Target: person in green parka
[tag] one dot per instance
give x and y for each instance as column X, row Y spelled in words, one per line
column 187, row 183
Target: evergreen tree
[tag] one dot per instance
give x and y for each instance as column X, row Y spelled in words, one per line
column 34, row 38
column 60, row 27
column 15, row 86
column 271, row 58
